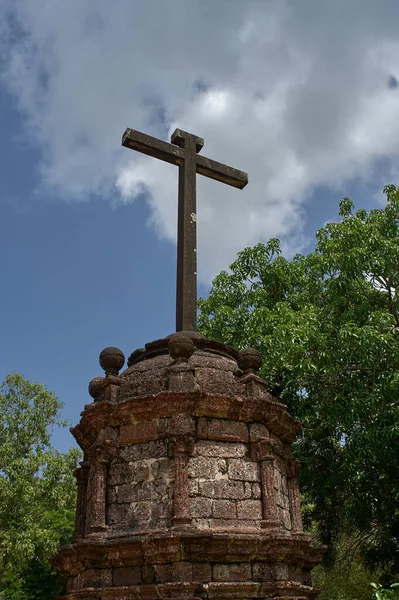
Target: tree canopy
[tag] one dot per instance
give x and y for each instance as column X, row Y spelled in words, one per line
column 37, row 491
column 327, row 327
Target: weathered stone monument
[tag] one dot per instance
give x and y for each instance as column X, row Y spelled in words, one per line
column 188, row 488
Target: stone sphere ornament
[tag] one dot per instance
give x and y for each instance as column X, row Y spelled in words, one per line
column 95, row 387
column 181, row 347
column 249, row 360
column 112, row 360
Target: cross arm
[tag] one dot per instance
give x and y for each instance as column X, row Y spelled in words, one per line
column 215, row 170
column 149, row 145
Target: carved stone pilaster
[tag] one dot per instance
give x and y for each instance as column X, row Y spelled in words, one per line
column 180, row 448
column 82, row 475
column 293, row 494
column 99, row 457
column 262, row 452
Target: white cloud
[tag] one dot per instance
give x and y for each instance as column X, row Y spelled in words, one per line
column 295, row 93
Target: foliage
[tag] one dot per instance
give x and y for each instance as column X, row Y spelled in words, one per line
column 37, row 491
column 327, row 326
column 348, row 578
column 381, row 593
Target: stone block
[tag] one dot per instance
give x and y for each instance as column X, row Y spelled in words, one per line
column 118, row 513
column 171, row 572
column 162, row 573
column 162, row 468
column 119, row 473
column 145, row 450
column 212, row 449
column 206, row 468
column 147, row 574
column 181, row 378
column 95, row 578
column 182, row 424
column 130, row 555
column 200, row 507
column 249, row 509
column 126, row 576
column 243, row 547
column 263, row 572
column 161, row 509
column 138, row 432
column 232, row 572
column 280, row 571
column 236, row 525
column 215, row 381
column 153, row 490
column 222, row 488
column 229, row 431
column 126, row 493
column 141, row 513
column 183, row 571
column 244, row 470
column 224, row 509
column 202, row 572
column 141, row 472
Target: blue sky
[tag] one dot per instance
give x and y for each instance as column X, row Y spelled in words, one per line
column 77, row 277
column 299, row 96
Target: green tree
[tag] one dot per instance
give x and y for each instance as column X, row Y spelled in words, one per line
column 37, row 491
column 327, row 326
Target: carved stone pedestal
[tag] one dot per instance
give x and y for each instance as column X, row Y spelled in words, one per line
column 188, row 488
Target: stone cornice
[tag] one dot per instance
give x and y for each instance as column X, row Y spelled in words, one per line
column 264, row 410
column 197, row 547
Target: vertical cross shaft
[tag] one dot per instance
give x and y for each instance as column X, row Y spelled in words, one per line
column 186, row 280
column 183, row 152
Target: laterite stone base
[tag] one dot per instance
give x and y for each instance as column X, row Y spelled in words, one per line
column 188, row 488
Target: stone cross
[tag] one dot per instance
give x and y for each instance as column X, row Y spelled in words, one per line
column 184, row 152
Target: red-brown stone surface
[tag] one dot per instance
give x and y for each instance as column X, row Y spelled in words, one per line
column 189, row 488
